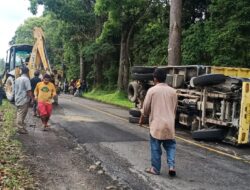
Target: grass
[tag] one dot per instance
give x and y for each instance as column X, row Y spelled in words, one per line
column 12, row 174
column 114, row 98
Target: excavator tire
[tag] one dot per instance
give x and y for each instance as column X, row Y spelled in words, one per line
column 209, row 79
column 10, row 89
column 135, row 112
column 133, row 91
column 142, row 69
column 209, row 134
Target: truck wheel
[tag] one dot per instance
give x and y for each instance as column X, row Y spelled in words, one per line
column 133, row 91
column 9, row 89
column 135, row 112
column 209, row 134
column 136, row 120
column 209, row 79
column 141, row 69
column 141, row 77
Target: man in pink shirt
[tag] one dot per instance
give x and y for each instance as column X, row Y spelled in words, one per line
column 160, row 105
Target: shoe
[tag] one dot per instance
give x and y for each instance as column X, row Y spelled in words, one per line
column 22, row 131
column 172, row 173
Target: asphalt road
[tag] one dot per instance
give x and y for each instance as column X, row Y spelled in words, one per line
column 123, row 149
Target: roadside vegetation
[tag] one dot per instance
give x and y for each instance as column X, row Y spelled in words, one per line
column 12, row 174
column 104, row 38
column 111, row 97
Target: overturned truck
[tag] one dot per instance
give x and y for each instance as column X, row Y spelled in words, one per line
column 214, row 102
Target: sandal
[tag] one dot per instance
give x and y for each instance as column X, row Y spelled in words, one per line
column 152, row 171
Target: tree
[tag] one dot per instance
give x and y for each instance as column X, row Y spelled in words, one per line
column 227, row 30
column 174, row 45
column 122, row 18
column 149, row 45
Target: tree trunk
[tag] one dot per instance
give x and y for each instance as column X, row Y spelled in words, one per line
column 174, row 45
column 82, row 67
column 97, row 59
column 123, row 64
column 98, row 70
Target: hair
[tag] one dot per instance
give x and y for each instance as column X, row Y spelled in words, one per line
column 160, row 75
column 37, row 73
column 25, row 70
column 46, row 76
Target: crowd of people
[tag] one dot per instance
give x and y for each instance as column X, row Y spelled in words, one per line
column 41, row 93
column 37, row 92
column 75, row 87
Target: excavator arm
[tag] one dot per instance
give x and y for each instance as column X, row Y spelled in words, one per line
column 38, row 58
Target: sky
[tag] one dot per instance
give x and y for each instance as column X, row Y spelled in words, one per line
column 13, row 13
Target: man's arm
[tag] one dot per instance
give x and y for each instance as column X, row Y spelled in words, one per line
column 28, row 88
column 36, row 91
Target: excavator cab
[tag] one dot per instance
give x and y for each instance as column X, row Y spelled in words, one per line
column 17, row 56
column 34, row 57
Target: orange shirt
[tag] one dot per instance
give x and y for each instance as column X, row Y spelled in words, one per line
column 45, row 92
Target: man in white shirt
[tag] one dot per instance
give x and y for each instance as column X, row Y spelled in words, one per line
column 23, row 95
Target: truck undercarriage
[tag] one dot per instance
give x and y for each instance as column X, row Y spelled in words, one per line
column 214, row 106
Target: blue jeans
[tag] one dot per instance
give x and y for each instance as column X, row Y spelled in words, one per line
column 156, row 152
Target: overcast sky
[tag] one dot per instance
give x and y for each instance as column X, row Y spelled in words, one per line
column 12, row 14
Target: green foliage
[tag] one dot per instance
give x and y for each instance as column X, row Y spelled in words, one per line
column 24, row 33
column 221, row 39
column 228, row 30
column 150, row 45
column 194, row 45
column 111, row 97
column 215, row 32
column 13, row 174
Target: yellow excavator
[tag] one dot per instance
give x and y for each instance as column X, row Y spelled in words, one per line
column 34, row 57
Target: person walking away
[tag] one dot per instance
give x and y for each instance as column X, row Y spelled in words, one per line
column 23, row 95
column 44, row 92
column 160, row 105
column 34, row 81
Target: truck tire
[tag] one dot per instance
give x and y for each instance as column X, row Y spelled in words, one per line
column 208, row 79
column 136, row 120
column 135, row 112
column 133, row 91
column 9, row 89
column 142, row 77
column 142, row 69
column 209, row 134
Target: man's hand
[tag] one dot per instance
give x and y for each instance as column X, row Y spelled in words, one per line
column 141, row 120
